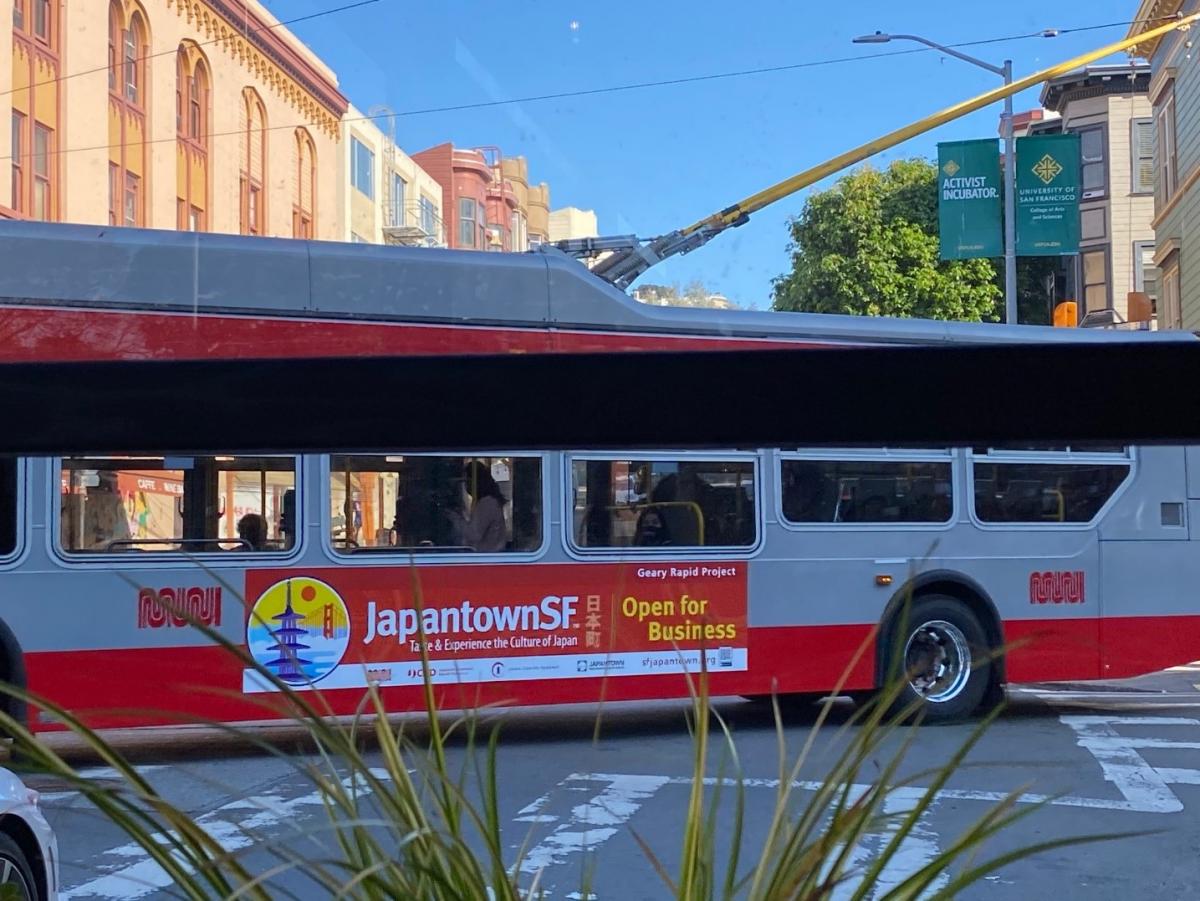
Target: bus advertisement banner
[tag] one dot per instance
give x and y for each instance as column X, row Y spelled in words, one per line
column 349, row 627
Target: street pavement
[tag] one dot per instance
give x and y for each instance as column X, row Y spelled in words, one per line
column 1117, row 758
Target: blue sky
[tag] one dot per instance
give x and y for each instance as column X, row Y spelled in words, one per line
column 655, row 159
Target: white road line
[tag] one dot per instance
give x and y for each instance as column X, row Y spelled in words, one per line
column 595, row 821
column 1141, row 784
column 912, row 793
column 530, row 812
column 1182, row 698
column 108, row 772
column 917, row 851
column 95, row 774
column 135, row 880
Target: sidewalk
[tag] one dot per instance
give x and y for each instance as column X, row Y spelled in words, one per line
column 1183, row 680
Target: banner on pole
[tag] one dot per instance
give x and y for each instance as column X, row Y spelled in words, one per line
column 1048, row 191
column 969, row 199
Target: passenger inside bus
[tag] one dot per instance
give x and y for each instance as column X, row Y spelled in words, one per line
column 684, row 503
column 152, row 505
column 252, row 529
column 482, row 528
column 287, row 518
column 807, row 495
column 435, row 504
column 866, row 492
column 95, row 520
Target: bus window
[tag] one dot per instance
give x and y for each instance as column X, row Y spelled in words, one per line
column 425, row 504
column 1044, row 492
column 866, row 491
column 8, row 505
column 192, row 504
column 255, row 494
column 661, row 503
column 1085, row 448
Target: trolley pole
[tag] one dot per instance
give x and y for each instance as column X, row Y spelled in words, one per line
column 1010, row 204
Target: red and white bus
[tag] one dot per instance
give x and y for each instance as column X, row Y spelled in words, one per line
column 544, row 577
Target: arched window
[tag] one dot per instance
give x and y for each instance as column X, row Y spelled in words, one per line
column 254, row 162
column 305, row 189
column 35, row 114
column 198, row 103
column 116, row 37
column 181, row 77
column 133, row 64
column 128, row 81
column 191, row 132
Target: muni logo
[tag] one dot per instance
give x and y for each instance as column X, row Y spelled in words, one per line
column 178, row 607
column 1056, row 588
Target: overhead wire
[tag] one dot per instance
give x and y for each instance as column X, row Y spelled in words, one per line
column 613, row 89
column 58, row 79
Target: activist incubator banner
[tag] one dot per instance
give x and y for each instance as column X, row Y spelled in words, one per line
column 969, row 195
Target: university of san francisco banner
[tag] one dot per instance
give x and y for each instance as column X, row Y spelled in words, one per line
column 969, row 194
column 1048, row 192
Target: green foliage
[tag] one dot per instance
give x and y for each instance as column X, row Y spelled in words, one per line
column 868, row 246
column 417, row 828
column 1033, row 293
column 694, row 294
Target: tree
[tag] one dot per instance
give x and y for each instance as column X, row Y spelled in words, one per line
column 868, row 246
column 1037, row 288
column 693, row 294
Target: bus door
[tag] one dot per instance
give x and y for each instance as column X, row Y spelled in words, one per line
column 1150, row 558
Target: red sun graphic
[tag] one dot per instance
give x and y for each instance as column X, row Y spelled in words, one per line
column 308, row 593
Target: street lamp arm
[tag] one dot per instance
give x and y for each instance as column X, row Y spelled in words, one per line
column 949, row 51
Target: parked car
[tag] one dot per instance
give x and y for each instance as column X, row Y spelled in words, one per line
column 28, row 848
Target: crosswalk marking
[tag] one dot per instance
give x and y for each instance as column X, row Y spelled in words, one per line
column 144, row 876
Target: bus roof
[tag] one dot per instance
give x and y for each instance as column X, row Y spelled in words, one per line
column 140, row 269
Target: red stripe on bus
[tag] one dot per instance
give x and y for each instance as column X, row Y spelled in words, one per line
column 205, row 682
column 65, row 335
column 138, row 686
column 1055, row 650
column 1134, row 645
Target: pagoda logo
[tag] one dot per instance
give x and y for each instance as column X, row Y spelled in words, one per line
column 298, row 630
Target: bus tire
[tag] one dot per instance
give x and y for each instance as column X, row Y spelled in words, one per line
column 943, row 659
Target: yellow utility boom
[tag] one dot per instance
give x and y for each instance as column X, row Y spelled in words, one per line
column 630, row 256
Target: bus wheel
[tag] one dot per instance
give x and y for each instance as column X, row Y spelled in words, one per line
column 944, row 660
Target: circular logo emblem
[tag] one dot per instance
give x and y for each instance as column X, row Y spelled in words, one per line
column 497, row 669
column 298, row 630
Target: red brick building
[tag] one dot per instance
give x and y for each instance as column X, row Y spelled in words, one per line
column 466, row 179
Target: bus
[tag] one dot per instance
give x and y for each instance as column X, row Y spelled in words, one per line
column 539, row 577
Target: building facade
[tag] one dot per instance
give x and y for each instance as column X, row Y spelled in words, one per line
column 465, row 177
column 515, row 171
column 189, row 114
column 538, row 214
column 1174, row 95
column 1109, row 108
column 572, row 222
column 488, row 201
column 386, row 196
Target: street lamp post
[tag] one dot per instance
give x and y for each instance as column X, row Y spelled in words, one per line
column 1010, row 161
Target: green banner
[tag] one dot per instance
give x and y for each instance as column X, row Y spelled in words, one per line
column 969, row 199
column 1048, row 193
